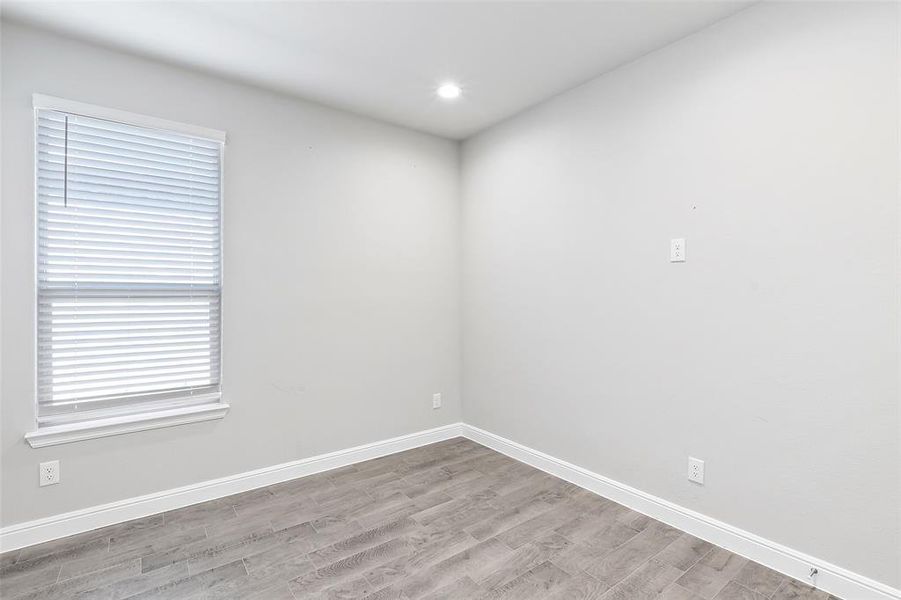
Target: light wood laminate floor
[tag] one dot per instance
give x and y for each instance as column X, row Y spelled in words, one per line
column 453, row 520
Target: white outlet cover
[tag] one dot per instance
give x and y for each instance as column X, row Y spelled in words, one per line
column 49, row 473
column 436, row 400
column 696, row 470
column 677, row 250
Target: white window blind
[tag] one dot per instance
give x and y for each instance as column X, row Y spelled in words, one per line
column 129, row 270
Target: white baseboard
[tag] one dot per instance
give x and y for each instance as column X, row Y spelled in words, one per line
column 79, row 521
column 830, row 578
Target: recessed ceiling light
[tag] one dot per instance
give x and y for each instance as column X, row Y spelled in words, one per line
column 449, row 91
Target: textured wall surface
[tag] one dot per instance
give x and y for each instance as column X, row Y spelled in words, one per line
column 341, row 283
column 770, row 142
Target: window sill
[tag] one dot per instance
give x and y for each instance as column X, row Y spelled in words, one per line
column 76, row 432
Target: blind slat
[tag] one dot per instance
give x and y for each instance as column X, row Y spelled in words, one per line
column 128, row 268
column 113, row 129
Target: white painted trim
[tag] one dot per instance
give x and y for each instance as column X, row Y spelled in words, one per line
column 51, row 528
column 112, row 424
column 831, row 578
column 122, row 116
column 98, row 428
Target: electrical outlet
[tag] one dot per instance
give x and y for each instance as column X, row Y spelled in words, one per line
column 696, row 470
column 677, row 250
column 49, row 473
column 436, row 400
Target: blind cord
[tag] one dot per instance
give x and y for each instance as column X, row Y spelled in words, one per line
column 66, row 164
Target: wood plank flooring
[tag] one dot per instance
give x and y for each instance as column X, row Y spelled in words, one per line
column 452, row 520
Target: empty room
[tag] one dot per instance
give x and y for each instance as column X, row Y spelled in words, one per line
column 450, row 300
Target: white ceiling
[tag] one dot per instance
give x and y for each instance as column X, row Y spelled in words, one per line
column 384, row 59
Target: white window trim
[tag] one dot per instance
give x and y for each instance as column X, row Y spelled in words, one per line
column 98, row 428
column 122, row 116
column 131, row 423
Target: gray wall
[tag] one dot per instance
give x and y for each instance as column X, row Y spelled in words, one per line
column 770, row 142
column 341, row 275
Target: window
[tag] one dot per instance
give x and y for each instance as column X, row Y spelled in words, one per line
column 128, row 269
